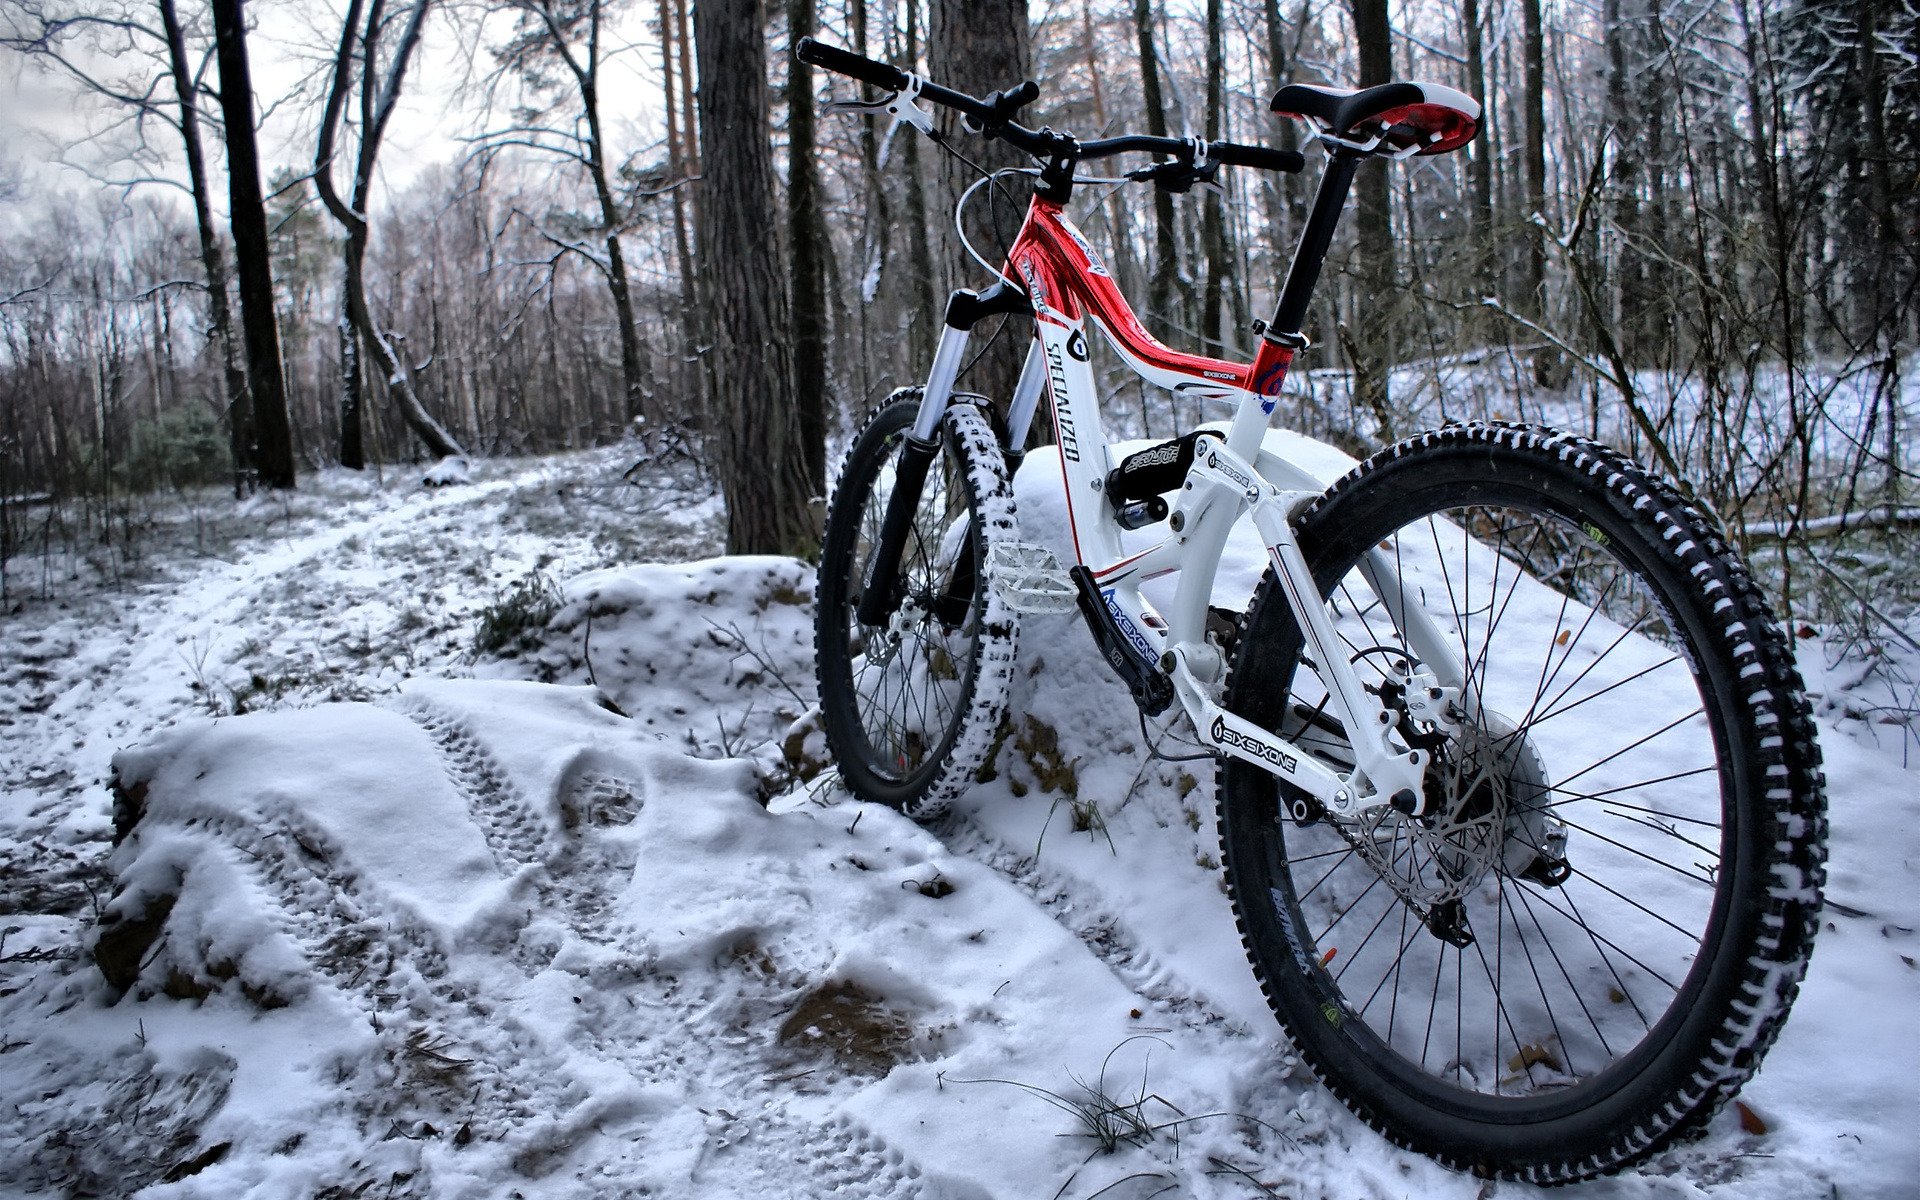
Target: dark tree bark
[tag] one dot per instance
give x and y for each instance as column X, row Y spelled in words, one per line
column 679, row 165
column 1164, row 281
column 806, row 240
column 273, row 438
column 763, row 460
column 1480, row 165
column 924, row 294
column 361, row 42
column 980, row 46
column 1281, row 54
column 1213, row 229
column 1370, row 341
column 1534, row 100
column 212, row 257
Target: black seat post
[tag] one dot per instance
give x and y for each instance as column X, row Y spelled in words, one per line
column 1308, row 257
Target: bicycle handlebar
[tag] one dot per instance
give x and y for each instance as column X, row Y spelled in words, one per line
column 846, row 62
column 994, row 117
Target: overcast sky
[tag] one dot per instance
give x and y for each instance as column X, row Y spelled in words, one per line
column 45, row 118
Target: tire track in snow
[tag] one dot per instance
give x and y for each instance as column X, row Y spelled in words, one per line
column 394, row 970
column 1103, row 931
column 515, row 833
column 660, row 1030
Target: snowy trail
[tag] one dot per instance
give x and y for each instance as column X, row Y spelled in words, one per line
column 513, row 942
column 349, row 588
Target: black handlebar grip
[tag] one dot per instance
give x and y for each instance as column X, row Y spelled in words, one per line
column 1266, row 158
column 845, row 62
column 1013, row 101
column 1001, row 106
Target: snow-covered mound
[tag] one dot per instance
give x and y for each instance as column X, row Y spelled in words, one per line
column 451, row 470
column 716, row 654
column 499, row 933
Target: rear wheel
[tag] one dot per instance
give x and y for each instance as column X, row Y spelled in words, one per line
column 1585, row 944
column 911, row 706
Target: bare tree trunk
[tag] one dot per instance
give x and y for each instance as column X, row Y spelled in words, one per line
column 377, row 100
column 1280, row 59
column 679, row 160
column 926, row 281
column 248, row 217
column 1165, row 279
column 1533, row 301
column 1480, row 165
column 1370, row 344
column 979, row 47
column 763, row 461
column 1213, row 232
column 212, row 258
column 353, row 444
column 587, row 75
column 806, row 240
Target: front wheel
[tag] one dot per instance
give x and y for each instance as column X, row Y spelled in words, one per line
column 1587, row 940
column 910, row 706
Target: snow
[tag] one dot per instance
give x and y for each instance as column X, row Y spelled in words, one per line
column 576, row 927
column 452, row 469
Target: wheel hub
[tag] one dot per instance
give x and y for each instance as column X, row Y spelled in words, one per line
column 1486, row 808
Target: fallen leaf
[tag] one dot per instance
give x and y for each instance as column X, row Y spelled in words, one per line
column 1561, row 640
column 1534, row 1056
column 1749, row 1120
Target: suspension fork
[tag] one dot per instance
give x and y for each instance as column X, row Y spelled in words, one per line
column 879, row 593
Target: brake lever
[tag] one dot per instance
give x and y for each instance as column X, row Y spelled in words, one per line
column 899, row 105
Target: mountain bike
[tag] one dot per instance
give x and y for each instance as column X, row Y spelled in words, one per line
column 1518, row 794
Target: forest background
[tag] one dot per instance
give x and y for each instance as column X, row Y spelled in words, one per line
column 492, row 227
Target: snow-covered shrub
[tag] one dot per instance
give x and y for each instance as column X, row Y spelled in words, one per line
column 716, row 655
column 448, row 471
column 513, row 621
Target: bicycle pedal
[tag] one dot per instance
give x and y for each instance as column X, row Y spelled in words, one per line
column 1030, row 578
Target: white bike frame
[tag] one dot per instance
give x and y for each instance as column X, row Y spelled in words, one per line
column 1230, row 477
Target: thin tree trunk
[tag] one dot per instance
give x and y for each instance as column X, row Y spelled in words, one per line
column 1370, row 342
column 806, row 237
column 924, row 297
column 377, row 102
column 1161, row 285
column 1480, row 164
column 678, row 167
column 1533, row 301
column 978, row 47
column 248, row 217
column 1213, row 234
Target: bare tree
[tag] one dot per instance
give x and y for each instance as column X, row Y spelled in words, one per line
column 360, row 37
column 1166, row 250
column 43, row 31
column 570, row 35
column 806, row 240
column 1369, row 341
column 248, row 220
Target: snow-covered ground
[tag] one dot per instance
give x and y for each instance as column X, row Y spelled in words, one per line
column 566, row 923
